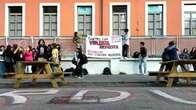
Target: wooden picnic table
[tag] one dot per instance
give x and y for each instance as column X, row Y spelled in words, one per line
column 44, row 70
column 173, row 72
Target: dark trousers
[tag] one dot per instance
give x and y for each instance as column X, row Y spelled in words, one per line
column 78, row 70
column 125, row 50
column 194, row 67
column 9, row 67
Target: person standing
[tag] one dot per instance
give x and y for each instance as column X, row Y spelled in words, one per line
column 41, row 50
column 125, row 44
column 28, row 56
column 58, row 46
column 18, row 55
column 170, row 54
column 142, row 59
column 8, row 57
column 77, row 40
column 55, row 54
column 2, row 62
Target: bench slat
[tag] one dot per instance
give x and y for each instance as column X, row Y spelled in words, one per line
column 156, row 73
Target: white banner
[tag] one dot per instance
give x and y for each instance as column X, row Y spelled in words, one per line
column 104, row 46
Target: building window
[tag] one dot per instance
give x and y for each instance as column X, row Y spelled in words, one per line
column 49, row 20
column 119, row 19
column 155, row 20
column 15, row 21
column 190, row 20
column 84, row 20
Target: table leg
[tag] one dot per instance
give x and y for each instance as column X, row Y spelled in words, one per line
column 157, row 80
column 54, row 83
column 62, row 77
column 170, row 82
column 34, row 81
column 17, row 84
column 189, row 81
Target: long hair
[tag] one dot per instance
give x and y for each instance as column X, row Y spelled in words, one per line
column 41, row 40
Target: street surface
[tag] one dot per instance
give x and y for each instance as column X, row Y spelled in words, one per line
column 137, row 93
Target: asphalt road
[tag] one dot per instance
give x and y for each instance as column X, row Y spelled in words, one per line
column 126, row 96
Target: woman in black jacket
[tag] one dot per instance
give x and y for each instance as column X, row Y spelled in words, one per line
column 8, row 56
column 41, row 50
column 17, row 55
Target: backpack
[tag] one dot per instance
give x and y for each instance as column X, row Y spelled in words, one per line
column 84, row 59
column 136, row 54
column 84, row 71
column 165, row 56
column 106, row 71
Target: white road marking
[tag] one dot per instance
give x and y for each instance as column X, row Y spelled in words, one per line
column 170, row 97
column 36, row 92
column 18, row 99
column 79, row 96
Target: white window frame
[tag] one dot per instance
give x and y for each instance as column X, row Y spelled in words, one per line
column 41, row 17
column 76, row 16
column 183, row 6
column 7, row 5
column 164, row 16
column 128, row 4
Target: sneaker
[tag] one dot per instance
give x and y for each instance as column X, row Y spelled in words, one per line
column 79, row 77
column 122, row 58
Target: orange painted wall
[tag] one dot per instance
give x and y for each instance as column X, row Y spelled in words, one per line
column 2, row 19
column 174, row 17
column 67, row 16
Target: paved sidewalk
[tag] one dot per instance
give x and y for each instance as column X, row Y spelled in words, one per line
column 135, row 78
column 88, row 80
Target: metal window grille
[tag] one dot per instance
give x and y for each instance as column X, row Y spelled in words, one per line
column 15, row 21
column 155, row 20
column 119, row 21
column 50, row 21
column 85, row 20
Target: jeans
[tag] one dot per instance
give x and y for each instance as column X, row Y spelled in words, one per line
column 142, row 65
column 2, row 68
column 125, row 50
column 78, row 70
column 28, row 69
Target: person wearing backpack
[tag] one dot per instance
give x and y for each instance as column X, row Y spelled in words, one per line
column 169, row 54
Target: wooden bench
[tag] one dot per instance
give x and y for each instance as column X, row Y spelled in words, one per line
column 45, row 70
column 9, row 75
column 173, row 73
column 158, row 73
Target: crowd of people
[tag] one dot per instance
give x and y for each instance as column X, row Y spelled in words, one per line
column 9, row 55
column 171, row 52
